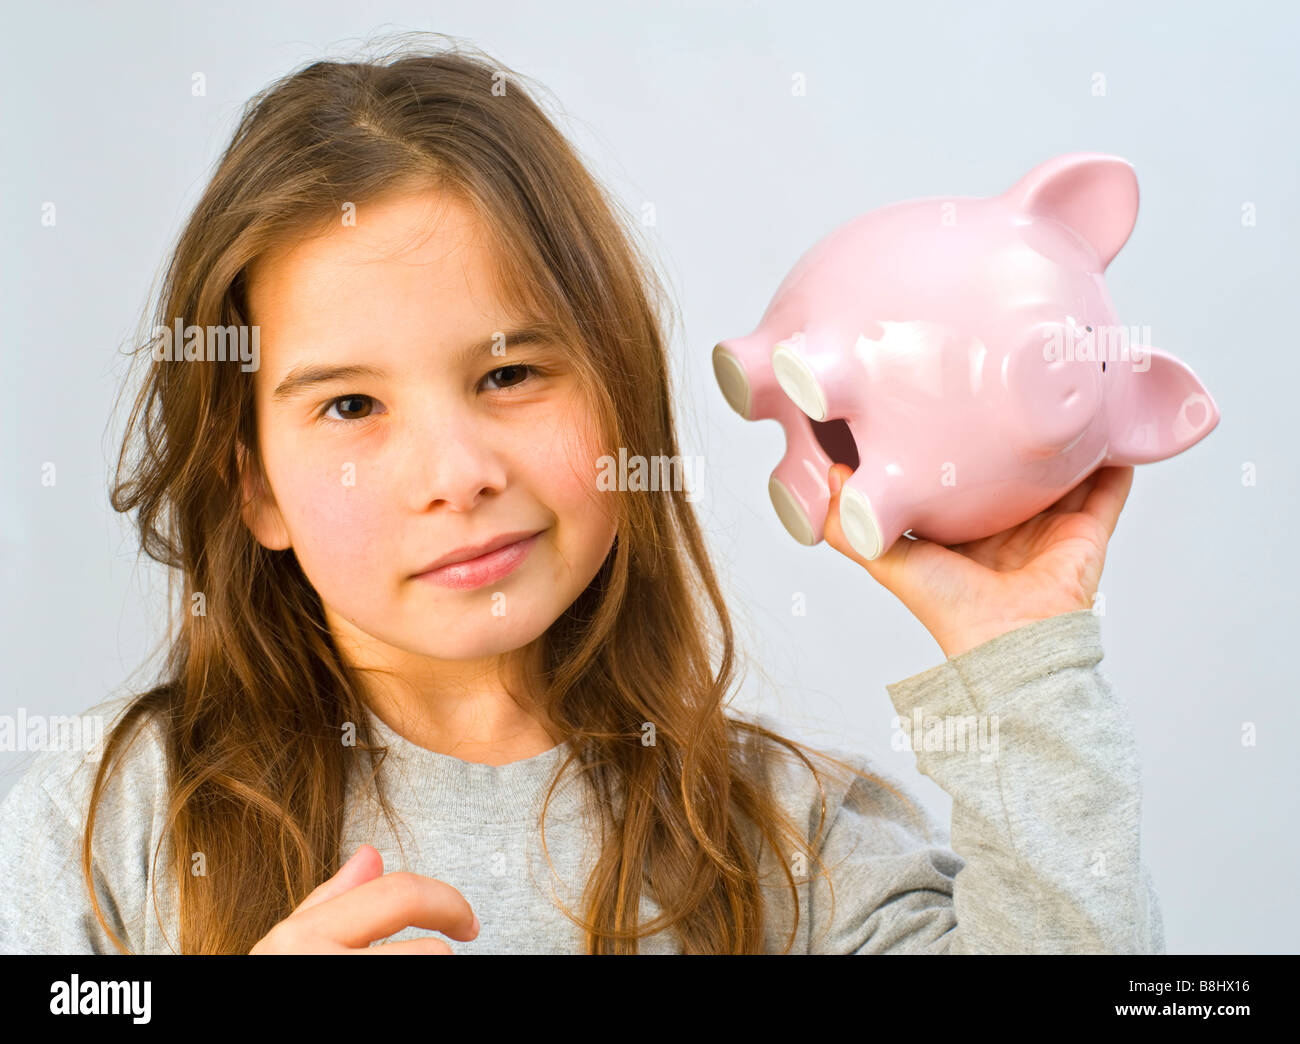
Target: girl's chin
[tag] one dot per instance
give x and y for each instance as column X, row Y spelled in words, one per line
column 448, row 639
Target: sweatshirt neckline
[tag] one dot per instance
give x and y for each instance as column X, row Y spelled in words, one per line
column 450, row 789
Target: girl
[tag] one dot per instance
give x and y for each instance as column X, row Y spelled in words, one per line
column 414, row 630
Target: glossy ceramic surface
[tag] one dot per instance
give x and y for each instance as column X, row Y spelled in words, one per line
column 964, row 356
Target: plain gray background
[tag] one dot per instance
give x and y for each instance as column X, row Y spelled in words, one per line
column 689, row 107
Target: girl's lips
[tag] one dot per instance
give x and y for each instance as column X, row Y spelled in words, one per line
column 475, row 572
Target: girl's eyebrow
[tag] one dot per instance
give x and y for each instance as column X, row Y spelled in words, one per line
column 300, row 378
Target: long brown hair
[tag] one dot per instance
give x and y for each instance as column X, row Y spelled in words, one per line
column 255, row 691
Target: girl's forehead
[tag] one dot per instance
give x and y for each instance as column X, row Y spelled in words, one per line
column 398, row 259
column 410, row 231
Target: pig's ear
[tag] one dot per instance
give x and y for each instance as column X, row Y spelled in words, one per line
column 1159, row 408
column 1091, row 192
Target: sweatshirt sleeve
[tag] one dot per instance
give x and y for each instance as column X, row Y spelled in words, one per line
column 1038, row 754
column 44, row 903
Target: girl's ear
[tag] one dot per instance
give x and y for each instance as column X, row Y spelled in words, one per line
column 260, row 513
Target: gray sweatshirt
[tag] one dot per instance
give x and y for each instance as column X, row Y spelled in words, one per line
column 1044, row 856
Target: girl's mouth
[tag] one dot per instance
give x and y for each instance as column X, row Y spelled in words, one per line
column 470, row 573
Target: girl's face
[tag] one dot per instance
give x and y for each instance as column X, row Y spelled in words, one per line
column 406, row 420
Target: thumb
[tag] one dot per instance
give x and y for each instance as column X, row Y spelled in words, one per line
column 365, row 864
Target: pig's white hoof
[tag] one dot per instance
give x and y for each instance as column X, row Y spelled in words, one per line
column 859, row 523
column 798, row 381
column 789, row 512
column 732, row 380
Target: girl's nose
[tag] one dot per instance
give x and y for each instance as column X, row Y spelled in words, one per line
column 453, row 464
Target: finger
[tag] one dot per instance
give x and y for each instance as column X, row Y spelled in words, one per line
column 429, row 944
column 1109, row 495
column 381, row 907
column 365, row 865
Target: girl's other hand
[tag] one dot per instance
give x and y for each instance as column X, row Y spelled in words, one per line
column 969, row 593
column 361, row 903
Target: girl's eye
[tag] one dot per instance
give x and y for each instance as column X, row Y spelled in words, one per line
column 347, row 408
column 347, row 405
column 509, row 376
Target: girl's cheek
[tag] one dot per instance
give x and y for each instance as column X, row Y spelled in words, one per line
column 560, row 457
column 338, row 519
column 567, row 474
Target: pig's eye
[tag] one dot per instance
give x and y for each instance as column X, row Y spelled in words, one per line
column 1103, row 367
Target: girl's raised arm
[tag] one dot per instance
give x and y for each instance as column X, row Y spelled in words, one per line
column 1025, row 733
column 1038, row 754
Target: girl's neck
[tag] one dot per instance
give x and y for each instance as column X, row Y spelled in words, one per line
column 481, row 711
column 478, row 730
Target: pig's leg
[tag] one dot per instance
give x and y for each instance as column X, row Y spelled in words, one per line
column 872, row 510
column 820, row 373
column 798, row 485
column 743, row 368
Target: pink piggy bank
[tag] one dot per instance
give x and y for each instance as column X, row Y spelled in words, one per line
column 963, row 356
